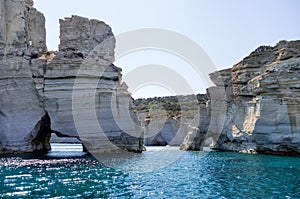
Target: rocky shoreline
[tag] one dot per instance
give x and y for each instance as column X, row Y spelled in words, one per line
column 259, row 99
column 254, row 107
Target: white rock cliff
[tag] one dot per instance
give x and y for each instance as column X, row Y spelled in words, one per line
column 44, row 92
column 261, row 102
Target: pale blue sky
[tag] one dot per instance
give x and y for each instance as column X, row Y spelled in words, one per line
column 227, row 30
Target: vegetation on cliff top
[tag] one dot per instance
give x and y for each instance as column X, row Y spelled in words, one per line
column 170, row 106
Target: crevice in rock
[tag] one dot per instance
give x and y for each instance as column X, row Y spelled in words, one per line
column 41, row 135
column 59, row 134
column 3, row 114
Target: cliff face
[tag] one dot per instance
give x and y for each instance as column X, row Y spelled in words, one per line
column 22, row 117
column 265, row 100
column 82, row 72
column 262, row 101
column 196, row 132
column 167, row 120
column 162, row 132
column 44, row 92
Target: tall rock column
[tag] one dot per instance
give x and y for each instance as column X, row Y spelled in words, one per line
column 24, row 125
column 83, row 91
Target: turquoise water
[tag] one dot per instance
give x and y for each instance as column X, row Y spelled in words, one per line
column 71, row 174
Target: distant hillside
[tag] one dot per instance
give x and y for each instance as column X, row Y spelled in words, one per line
column 171, row 106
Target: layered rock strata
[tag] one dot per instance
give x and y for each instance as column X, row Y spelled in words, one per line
column 75, row 92
column 262, row 101
column 23, row 121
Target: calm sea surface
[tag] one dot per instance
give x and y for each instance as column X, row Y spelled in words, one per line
column 160, row 172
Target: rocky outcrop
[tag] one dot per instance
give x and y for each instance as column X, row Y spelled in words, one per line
column 75, row 92
column 262, row 101
column 82, row 72
column 196, row 132
column 160, row 132
column 167, row 120
column 22, row 117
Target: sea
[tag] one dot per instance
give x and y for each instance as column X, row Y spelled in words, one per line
column 159, row 172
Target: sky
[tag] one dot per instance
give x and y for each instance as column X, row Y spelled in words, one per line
column 226, row 30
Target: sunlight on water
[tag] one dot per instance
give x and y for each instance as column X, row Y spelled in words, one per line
column 192, row 175
column 66, row 150
column 159, row 157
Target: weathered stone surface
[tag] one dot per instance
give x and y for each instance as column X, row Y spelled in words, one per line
column 22, row 117
column 167, row 120
column 196, row 132
column 84, row 66
column 13, row 38
column 160, row 132
column 71, row 92
column 36, row 32
column 83, row 35
column 29, row 2
column 263, row 102
column 255, row 106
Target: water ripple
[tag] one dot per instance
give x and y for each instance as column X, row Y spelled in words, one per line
column 216, row 175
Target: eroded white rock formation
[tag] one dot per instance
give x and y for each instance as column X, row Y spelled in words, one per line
column 24, row 124
column 37, row 87
column 197, row 131
column 82, row 72
column 162, row 132
column 262, row 102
